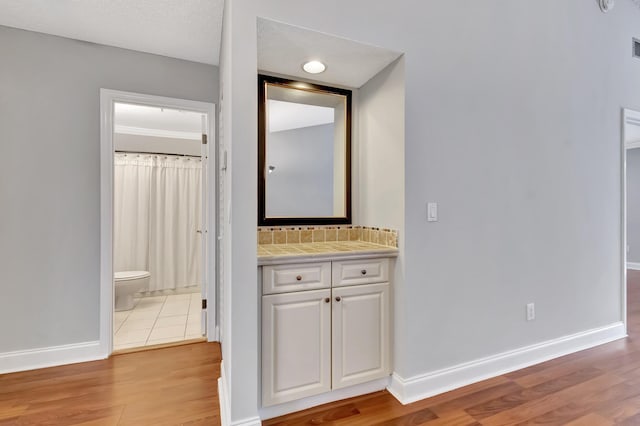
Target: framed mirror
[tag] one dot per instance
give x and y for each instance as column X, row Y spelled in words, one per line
column 304, row 153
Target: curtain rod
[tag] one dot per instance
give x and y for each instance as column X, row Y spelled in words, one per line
column 156, row 153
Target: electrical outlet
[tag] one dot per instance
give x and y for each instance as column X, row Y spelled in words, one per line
column 531, row 311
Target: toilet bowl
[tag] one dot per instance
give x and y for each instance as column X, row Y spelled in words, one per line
column 128, row 283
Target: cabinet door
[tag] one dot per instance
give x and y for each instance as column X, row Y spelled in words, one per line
column 296, row 345
column 360, row 334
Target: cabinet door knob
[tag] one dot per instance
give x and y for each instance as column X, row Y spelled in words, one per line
column 299, row 278
column 327, row 300
column 338, row 299
column 363, row 272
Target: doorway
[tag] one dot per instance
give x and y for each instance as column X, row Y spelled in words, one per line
column 157, row 277
column 631, row 206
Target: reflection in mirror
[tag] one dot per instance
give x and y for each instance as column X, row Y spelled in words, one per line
column 304, row 170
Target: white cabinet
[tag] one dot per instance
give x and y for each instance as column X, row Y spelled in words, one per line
column 296, row 345
column 314, row 341
column 360, row 334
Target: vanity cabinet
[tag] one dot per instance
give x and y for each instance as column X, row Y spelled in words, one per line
column 325, row 326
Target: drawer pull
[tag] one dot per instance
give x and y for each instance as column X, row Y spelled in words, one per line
column 338, row 299
column 327, row 300
column 363, row 272
column 299, row 278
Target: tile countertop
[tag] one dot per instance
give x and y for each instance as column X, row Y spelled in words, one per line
column 269, row 254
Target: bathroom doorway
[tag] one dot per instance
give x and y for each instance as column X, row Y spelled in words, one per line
column 159, row 172
column 630, row 211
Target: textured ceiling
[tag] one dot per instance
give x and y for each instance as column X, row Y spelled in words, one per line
column 184, row 29
column 283, row 48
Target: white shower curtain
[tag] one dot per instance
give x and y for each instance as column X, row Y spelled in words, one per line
column 157, row 213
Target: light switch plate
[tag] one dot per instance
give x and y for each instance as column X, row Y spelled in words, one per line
column 432, row 212
column 531, row 311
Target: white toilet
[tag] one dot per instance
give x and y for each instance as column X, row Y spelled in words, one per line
column 128, row 283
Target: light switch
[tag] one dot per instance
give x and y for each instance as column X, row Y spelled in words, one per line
column 432, row 212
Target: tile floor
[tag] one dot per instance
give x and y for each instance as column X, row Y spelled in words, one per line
column 159, row 319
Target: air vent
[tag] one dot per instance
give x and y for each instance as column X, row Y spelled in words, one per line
column 636, row 48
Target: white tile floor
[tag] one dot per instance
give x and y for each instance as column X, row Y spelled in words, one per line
column 156, row 320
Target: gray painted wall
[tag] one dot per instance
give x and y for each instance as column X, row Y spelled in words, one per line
column 49, row 175
column 633, row 205
column 516, row 135
column 379, row 148
column 302, row 182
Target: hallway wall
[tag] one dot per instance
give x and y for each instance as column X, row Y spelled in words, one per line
column 50, row 175
column 513, row 127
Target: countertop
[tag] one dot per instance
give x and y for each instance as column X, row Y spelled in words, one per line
column 269, row 254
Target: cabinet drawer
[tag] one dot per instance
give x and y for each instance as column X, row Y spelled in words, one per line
column 289, row 278
column 355, row 272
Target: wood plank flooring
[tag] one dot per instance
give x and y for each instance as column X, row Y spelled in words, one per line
column 599, row 386
column 178, row 386
column 172, row 386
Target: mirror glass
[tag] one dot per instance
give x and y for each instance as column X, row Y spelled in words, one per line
column 304, row 169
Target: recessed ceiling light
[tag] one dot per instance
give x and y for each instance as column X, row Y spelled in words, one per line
column 314, row 67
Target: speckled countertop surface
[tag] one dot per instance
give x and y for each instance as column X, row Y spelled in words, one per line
column 281, row 253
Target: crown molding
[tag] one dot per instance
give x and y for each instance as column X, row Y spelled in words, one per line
column 142, row 131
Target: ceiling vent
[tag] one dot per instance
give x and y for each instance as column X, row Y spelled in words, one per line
column 636, row 48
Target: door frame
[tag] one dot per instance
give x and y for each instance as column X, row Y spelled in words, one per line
column 107, row 99
column 629, row 118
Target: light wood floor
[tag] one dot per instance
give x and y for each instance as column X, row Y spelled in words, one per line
column 177, row 386
column 600, row 386
column 173, row 386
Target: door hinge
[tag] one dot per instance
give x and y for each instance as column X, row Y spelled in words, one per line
column 204, row 139
column 204, row 303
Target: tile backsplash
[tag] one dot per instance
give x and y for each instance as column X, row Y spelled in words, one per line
column 321, row 234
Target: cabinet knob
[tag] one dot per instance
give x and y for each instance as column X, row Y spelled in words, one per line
column 299, row 278
column 338, row 299
column 363, row 272
column 327, row 300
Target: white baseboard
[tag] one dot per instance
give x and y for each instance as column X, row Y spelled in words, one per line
column 313, row 401
column 633, row 265
column 52, row 356
column 225, row 404
column 424, row 386
column 254, row 421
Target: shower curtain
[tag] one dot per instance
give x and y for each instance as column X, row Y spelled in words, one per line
column 157, row 213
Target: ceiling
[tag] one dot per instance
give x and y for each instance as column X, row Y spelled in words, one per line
column 283, row 48
column 139, row 128
column 155, row 121
column 185, row 29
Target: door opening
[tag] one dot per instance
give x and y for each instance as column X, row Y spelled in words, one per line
column 631, row 211
column 157, row 257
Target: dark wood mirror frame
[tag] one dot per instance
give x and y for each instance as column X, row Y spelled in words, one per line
column 263, row 220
